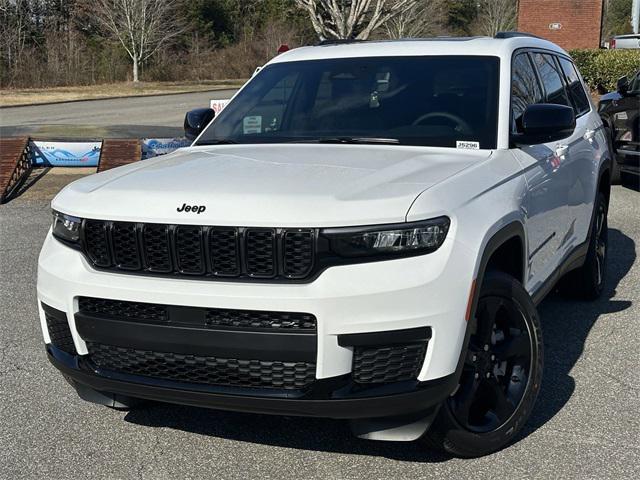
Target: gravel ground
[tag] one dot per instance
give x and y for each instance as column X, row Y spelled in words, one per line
column 586, row 423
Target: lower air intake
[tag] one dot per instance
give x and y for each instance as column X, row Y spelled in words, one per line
column 386, row 364
column 203, row 370
column 58, row 328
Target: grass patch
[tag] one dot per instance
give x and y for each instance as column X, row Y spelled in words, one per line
column 34, row 96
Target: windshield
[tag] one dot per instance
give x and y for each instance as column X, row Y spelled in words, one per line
column 445, row 101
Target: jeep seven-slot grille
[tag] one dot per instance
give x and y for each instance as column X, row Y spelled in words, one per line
column 189, row 250
column 203, row 369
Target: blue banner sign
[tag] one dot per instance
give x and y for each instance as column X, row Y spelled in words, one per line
column 152, row 147
column 65, row 154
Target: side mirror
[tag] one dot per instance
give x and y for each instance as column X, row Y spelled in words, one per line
column 195, row 121
column 545, row 122
column 623, row 86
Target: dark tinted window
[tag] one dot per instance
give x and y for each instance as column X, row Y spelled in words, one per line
column 425, row 100
column 525, row 89
column 551, row 79
column 574, row 86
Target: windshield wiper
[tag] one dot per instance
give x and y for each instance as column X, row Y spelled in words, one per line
column 218, row 141
column 361, row 140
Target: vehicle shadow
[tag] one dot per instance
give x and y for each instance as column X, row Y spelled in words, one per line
column 566, row 325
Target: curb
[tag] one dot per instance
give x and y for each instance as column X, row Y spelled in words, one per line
column 57, row 102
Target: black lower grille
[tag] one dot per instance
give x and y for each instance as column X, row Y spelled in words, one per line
column 385, row 364
column 58, row 328
column 203, row 317
column 203, row 370
column 203, row 251
column 122, row 309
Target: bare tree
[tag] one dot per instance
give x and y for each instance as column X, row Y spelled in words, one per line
column 141, row 26
column 423, row 18
column 351, row 19
column 497, row 16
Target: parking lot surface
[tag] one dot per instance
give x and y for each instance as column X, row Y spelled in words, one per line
column 586, row 423
column 150, row 116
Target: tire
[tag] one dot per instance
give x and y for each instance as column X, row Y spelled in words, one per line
column 501, row 376
column 587, row 282
column 615, row 167
column 630, row 180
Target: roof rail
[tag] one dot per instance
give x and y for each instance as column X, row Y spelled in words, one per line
column 514, row 35
column 338, row 41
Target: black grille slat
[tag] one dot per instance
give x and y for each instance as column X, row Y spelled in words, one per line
column 251, row 319
column 203, row 369
column 260, row 249
column 385, row 364
column 189, row 250
column 125, row 246
column 298, row 253
column 224, row 252
column 196, row 251
column 96, row 242
column 157, row 248
column 213, row 317
column 122, row 309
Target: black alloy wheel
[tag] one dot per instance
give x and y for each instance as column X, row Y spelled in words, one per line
column 496, row 369
column 500, row 375
column 587, row 282
column 601, row 242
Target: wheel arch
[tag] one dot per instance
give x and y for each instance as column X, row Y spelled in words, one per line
column 504, row 251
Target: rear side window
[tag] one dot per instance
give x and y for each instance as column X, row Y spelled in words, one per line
column 551, row 79
column 574, row 86
column 525, row 89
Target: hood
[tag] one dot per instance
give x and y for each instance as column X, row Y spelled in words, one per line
column 295, row 185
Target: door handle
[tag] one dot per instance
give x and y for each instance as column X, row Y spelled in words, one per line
column 561, row 150
column 589, row 134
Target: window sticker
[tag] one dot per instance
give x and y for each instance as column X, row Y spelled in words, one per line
column 252, row 124
column 468, row 145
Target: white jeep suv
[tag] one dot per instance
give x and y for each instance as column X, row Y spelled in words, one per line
column 363, row 233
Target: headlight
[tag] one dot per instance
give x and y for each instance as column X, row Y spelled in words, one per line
column 66, row 227
column 388, row 240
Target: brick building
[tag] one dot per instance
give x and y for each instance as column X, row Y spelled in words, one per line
column 569, row 23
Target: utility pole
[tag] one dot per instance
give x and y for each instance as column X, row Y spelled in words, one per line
column 635, row 15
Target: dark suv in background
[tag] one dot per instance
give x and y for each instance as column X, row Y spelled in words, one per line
column 620, row 113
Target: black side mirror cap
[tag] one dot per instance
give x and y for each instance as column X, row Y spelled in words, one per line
column 545, row 122
column 622, row 86
column 195, row 121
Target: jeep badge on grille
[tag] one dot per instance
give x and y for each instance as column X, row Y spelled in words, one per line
column 191, row 208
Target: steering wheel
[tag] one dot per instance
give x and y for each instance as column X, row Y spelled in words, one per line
column 462, row 126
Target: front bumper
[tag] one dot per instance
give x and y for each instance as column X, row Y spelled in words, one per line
column 330, row 398
column 424, row 292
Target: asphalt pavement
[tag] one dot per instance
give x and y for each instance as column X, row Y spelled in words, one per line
column 149, row 116
column 586, row 424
